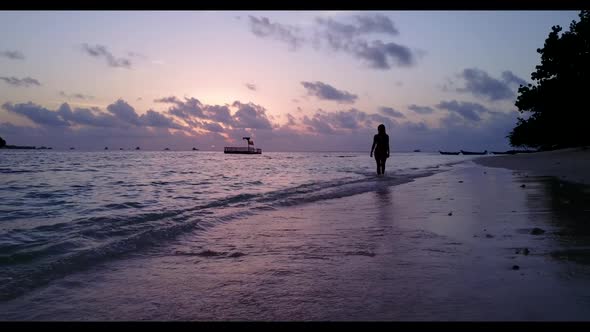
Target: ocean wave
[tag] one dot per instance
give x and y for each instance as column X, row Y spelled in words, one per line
column 31, row 257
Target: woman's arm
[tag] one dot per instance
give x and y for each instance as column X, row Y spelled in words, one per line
column 374, row 143
column 387, row 146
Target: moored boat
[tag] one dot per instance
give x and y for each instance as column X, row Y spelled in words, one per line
column 241, row 149
column 470, row 153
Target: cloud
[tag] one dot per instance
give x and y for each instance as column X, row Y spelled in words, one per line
column 482, row 85
column 376, row 53
column 100, row 51
column 317, row 124
column 168, row 100
column 250, row 116
column 379, row 55
column 510, row 78
column 391, row 112
column 214, row 127
column 341, row 130
column 192, row 111
column 290, row 120
column 12, row 55
column 467, row 110
column 76, row 96
column 36, row 113
column 124, row 112
column 343, row 121
column 339, row 34
column 136, row 55
column 154, row 119
column 120, row 115
column 262, row 27
column 327, row 92
column 349, row 37
column 87, row 117
column 18, row 82
column 421, row 109
column 219, row 113
column 250, row 86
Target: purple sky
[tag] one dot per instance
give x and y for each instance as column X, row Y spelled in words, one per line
column 294, row 81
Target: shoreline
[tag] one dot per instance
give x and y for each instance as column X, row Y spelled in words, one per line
column 571, row 164
column 441, row 247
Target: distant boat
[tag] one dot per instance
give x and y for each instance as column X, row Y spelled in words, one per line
column 470, row 153
column 121, row 149
column 137, row 148
column 449, row 153
column 166, row 149
column 242, row 150
column 513, row 151
column 106, row 147
column 195, row 149
column 417, row 150
column 72, row 149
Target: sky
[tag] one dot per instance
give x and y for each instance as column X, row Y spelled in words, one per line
column 291, row 80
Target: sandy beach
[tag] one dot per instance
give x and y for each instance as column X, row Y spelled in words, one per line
column 472, row 243
column 567, row 164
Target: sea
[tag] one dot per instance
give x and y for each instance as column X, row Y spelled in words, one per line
column 66, row 211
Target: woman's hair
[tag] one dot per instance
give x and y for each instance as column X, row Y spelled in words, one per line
column 381, row 129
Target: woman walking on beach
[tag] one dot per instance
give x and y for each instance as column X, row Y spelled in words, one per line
column 381, row 148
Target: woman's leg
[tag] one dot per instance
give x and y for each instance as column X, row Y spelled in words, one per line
column 378, row 166
column 383, row 165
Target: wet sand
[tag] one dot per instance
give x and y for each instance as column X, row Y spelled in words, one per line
column 567, row 164
column 442, row 247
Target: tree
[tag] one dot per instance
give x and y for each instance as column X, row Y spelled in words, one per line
column 558, row 99
column 2, row 142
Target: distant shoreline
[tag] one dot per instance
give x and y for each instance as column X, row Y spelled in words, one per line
column 571, row 164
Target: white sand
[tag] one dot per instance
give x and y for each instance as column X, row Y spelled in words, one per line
column 567, row 164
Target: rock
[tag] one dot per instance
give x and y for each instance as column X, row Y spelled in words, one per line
column 438, row 199
column 460, row 181
column 515, row 267
column 451, row 213
column 485, row 172
column 537, row 231
column 526, row 251
column 489, row 236
column 522, row 185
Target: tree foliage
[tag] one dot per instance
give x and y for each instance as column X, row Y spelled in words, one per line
column 556, row 104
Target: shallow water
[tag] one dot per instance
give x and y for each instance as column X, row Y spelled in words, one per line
column 393, row 253
column 61, row 212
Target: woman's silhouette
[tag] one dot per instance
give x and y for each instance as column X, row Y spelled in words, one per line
column 381, row 148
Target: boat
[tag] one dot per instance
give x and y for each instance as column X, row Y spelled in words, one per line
column 470, row 153
column 195, row 149
column 241, row 149
column 513, row 151
column 449, row 153
column 417, row 150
